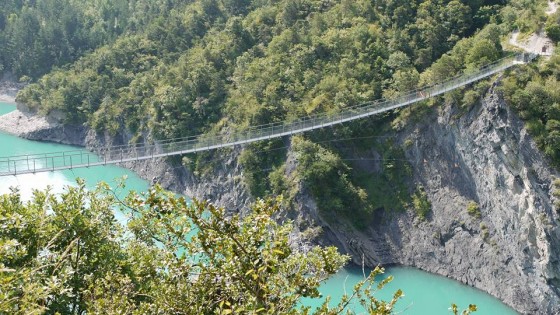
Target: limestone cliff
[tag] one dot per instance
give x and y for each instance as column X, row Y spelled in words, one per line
column 512, row 250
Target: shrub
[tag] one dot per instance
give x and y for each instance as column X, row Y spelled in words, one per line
column 421, row 204
column 473, row 209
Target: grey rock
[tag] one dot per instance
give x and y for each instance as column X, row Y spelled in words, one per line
column 488, row 157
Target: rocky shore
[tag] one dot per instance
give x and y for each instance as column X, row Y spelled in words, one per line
column 483, row 156
column 22, row 123
column 29, row 125
column 9, row 89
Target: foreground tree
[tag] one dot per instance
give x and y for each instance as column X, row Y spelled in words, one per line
column 67, row 254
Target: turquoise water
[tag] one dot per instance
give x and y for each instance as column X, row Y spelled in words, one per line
column 6, row 108
column 11, row 145
column 424, row 293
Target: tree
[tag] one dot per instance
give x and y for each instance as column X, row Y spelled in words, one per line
column 67, row 254
column 552, row 29
column 483, row 52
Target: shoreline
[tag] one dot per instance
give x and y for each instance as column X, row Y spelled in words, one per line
column 9, row 90
column 21, row 123
column 6, row 98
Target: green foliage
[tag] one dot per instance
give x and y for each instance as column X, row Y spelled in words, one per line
column 174, row 69
column 526, row 16
column 387, row 189
column 421, row 204
column 45, row 34
column 467, row 55
column 533, row 93
column 483, row 52
column 471, row 309
column 474, row 95
column 473, row 209
column 67, row 255
column 52, row 250
column 189, row 68
column 484, row 230
column 259, row 161
column 556, row 194
column 552, row 27
column 329, row 180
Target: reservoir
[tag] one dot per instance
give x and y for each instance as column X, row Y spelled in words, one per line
column 424, row 293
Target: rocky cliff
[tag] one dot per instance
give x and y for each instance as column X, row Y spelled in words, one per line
column 483, row 157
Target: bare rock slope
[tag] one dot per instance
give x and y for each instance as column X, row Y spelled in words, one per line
column 485, row 157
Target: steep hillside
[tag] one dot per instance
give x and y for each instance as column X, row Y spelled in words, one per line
column 492, row 223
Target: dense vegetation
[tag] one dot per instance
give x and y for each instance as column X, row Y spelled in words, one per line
column 210, row 66
column 69, row 255
column 533, row 92
column 171, row 68
column 39, row 35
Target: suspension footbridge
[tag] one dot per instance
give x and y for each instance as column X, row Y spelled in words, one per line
column 55, row 161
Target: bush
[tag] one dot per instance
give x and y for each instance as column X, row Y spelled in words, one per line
column 421, row 204
column 473, row 209
column 258, row 160
column 485, row 233
column 533, row 93
column 556, row 193
column 70, row 253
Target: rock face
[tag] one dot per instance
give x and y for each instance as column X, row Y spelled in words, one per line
column 483, row 156
column 512, row 250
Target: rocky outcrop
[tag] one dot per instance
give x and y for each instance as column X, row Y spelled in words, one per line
column 9, row 88
column 29, row 125
column 223, row 185
column 512, row 250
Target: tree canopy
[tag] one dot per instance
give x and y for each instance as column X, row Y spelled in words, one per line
column 67, row 254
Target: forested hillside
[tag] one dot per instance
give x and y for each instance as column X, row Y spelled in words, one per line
column 39, row 35
column 213, row 65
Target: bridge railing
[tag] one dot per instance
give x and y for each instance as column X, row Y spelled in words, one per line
column 130, row 152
